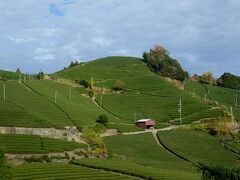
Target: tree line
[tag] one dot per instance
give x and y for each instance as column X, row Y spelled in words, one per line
column 160, row 62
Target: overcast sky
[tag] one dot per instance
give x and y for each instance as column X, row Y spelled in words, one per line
column 204, row 35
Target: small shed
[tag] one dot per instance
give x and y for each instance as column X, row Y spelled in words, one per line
column 145, row 123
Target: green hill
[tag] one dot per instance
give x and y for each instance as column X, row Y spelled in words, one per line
column 106, row 69
column 146, row 94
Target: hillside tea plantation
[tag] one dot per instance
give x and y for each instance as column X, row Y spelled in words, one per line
column 123, row 151
column 204, row 148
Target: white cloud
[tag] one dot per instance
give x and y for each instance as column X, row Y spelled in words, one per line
column 45, row 58
column 102, row 41
column 195, row 32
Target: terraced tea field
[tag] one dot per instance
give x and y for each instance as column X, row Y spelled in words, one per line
column 143, row 149
column 50, row 171
column 39, row 111
column 106, row 69
column 81, row 110
column 35, row 144
column 219, row 94
column 127, row 167
column 152, row 97
column 197, row 146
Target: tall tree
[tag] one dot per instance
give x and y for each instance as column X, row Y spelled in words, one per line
column 160, row 62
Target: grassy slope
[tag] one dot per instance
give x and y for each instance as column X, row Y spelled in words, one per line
column 105, row 69
column 9, row 75
column 128, row 167
column 26, row 108
column 220, row 94
column 148, row 95
column 197, row 146
column 143, row 149
column 62, row 171
column 34, row 144
column 81, row 109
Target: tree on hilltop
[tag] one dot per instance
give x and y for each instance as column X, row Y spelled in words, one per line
column 159, row 61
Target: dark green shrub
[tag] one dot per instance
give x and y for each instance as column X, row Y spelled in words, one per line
column 85, row 84
column 103, row 119
column 91, row 94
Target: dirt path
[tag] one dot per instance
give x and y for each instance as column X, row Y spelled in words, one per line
column 94, row 101
column 154, row 130
column 25, row 86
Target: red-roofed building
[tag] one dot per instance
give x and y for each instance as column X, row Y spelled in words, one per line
column 145, row 123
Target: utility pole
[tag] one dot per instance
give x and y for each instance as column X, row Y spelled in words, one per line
column 55, row 97
column 24, row 80
column 134, row 117
column 180, row 111
column 4, row 92
column 101, row 100
column 70, row 95
column 232, row 116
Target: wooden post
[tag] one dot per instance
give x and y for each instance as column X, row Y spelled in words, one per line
column 55, row 97
column 180, row 111
column 4, row 92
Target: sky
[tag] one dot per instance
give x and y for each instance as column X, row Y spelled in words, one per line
column 203, row 35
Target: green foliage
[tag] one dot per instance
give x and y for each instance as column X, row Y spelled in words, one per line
column 40, row 75
column 229, row 80
column 159, row 61
column 61, row 171
column 197, row 146
column 207, row 78
column 91, row 94
column 219, row 172
column 103, row 119
column 18, row 71
column 98, row 128
column 85, row 84
column 94, row 140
